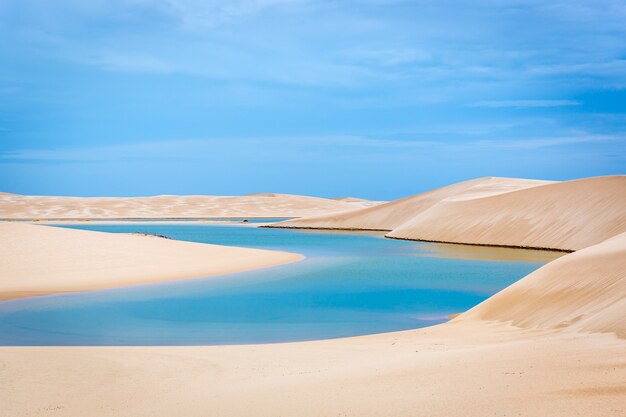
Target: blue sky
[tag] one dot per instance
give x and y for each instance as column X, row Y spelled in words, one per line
column 377, row 99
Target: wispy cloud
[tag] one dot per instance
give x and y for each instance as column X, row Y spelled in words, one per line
column 291, row 147
column 526, row 103
column 385, row 56
column 363, row 83
column 538, row 143
column 202, row 14
column 117, row 61
column 200, row 149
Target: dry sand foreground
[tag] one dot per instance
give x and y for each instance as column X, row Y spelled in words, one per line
column 476, row 365
column 567, row 215
column 15, row 206
column 36, row 260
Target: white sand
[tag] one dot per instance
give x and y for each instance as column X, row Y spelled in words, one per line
column 498, row 211
column 468, row 367
column 393, row 214
column 551, row 345
column 38, row 259
column 13, row 206
column 583, row 291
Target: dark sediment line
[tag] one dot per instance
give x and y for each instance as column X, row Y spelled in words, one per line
column 421, row 240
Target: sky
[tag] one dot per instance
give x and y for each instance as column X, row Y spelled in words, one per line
column 369, row 98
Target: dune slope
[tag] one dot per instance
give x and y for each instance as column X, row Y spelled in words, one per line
column 569, row 215
column 496, row 211
column 389, row 216
column 585, row 290
column 38, row 260
column 13, row 206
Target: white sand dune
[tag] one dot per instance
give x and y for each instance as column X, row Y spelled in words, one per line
column 393, row 214
column 38, row 260
column 584, row 291
column 497, row 211
column 549, row 345
column 531, row 350
column 568, row 215
column 13, row 206
column 353, row 199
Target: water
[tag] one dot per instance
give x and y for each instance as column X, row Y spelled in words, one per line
column 350, row 284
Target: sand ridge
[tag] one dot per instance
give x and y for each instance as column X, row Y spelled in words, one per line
column 388, row 216
column 566, row 215
column 14, row 206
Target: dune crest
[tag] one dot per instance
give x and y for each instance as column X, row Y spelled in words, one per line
column 497, row 211
column 569, row 215
column 393, row 214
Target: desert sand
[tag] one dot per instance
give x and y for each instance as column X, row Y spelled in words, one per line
column 514, row 354
column 23, row 207
column 390, row 215
column 551, row 344
column 497, row 211
column 37, row 260
column 584, row 291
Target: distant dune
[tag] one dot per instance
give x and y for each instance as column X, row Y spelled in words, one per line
column 497, row 211
column 14, row 206
column 351, row 199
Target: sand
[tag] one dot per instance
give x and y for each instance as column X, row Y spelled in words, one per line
column 13, row 206
column 479, row 364
column 497, row 211
column 390, row 215
column 552, row 344
column 584, row 291
column 36, row 260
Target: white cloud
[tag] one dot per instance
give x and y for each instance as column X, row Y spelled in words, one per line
column 537, row 143
column 133, row 63
column 198, row 14
column 526, row 103
column 287, row 148
column 386, row 56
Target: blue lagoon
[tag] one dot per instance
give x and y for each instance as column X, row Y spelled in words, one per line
column 351, row 283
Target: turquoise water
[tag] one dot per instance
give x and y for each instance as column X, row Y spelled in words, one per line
column 350, row 284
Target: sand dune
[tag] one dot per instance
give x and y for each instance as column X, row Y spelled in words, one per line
column 38, row 259
column 390, row 215
column 476, row 365
column 497, row 211
column 549, row 345
column 585, row 291
column 352, row 199
column 13, row 206
column 569, row 215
